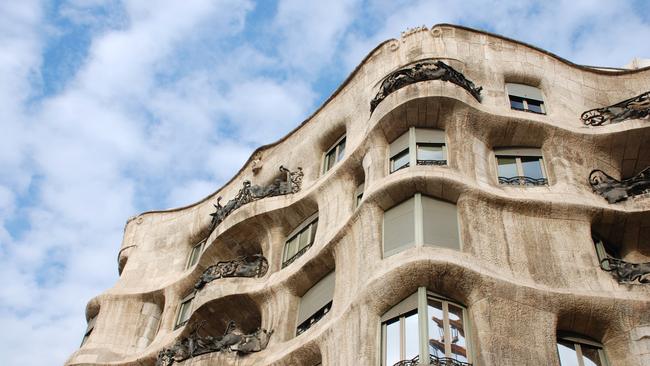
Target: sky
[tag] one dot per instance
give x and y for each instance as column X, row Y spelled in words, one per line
column 112, row 108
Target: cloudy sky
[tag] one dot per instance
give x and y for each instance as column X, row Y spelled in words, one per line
column 111, row 108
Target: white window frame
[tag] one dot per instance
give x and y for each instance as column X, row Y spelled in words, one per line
column 190, row 262
column 186, row 301
column 336, row 150
column 422, row 297
column 577, row 342
column 517, row 154
column 310, row 224
column 417, row 137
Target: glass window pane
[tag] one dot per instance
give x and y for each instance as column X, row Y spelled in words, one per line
column 532, row 167
column 411, row 335
column 314, row 226
column 392, row 342
column 507, row 166
column 429, row 152
column 184, row 312
column 292, row 247
column 457, row 330
column 590, row 355
column 399, row 160
column 516, row 102
column 436, row 328
column 567, row 353
column 329, row 160
column 194, row 255
column 341, row 151
column 304, row 238
column 534, row 105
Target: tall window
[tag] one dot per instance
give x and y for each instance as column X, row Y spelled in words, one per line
column 334, row 154
column 300, row 240
column 195, row 254
column 316, row 303
column 521, row 166
column 184, row 310
column 426, row 326
column 358, row 195
column 525, row 98
column 419, row 221
column 577, row 351
column 429, row 146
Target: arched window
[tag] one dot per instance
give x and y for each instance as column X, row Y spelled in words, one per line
column 425, row 326
column 300, row 240
column 578, row 351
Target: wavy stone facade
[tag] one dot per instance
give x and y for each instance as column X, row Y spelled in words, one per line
column 527, row 268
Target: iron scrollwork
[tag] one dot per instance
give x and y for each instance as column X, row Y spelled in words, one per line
column 247, row 266
column 634, row 108
column 626, row 272
column 231, row 341
column 423, row 71
column 249, row 193
column 433, row 361
column 523, row 181
column 614, row 190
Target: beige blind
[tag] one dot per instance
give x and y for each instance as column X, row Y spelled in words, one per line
column 524, row 91
column 440, row 223
column 316, row 297
column 518, row 151
column 406, row 305
column 399, row 227
column 429, row 135
column 401, row 143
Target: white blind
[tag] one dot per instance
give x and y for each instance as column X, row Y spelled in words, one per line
column 406, row 305
column 399, row 227
column 524, row 91
column 399, row 144
column 429, row 135
column 316, row 297
column 440, row 223
column 518, row 151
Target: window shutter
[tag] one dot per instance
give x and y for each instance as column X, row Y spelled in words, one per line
column 316, row 297
column 399, row 227
column 440, row 223
column 400, row 144
column 524, row 91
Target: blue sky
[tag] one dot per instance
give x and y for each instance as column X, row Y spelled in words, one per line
column 111, row 108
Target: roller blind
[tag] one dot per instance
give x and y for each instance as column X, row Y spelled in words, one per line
column 399, row 227
column 316, row 297
column 440, row 223
column 518, row 151
column 401, row 143
column 524, row 91
column 429, row 135
column 406, row 305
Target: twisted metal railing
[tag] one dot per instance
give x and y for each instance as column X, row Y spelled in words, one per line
column 614, row 190
column 423, row 71
column 626, row 272
column 433, row 361
column 523, row 181
column 634, row 108
column 432, row 162
column 247, row 266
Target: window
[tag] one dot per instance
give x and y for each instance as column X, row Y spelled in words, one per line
column 89, row 329
column 334, row 154
column 419, row 221
column 429, row 146
column 195, row 254
column 577, row 351
column 300, row 240
column 359, row 194
column 424, row 313
column 184, row 310
column 315, row 303
column 605, row 251
column 521, row 166
column 525, row 98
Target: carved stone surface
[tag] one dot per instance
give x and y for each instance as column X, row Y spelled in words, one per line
column 626, row 272
column 423, row 71
column 247, row 266
column 433, row 361
column 616, row 191
column 523, row 181
column 231, row 341
column 633, row 108
column 249, row 193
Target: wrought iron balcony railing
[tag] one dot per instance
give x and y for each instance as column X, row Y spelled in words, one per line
column 634, row 108
column 246, row 266
column 423, row 71
column 614, row 190
column 433, row 361
column 432, row 162
column 626, row 272
column 523, row 181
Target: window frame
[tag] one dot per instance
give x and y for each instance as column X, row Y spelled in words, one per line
column 518, row 154
column 420, row 307
column 193, row 259
column 337, row 151
column 186, row 301
column 578, row 342
column 409, row 142
column 311, row 226
column 358, row 194
column 320, row 313
column 405, row 152
column 533, row 94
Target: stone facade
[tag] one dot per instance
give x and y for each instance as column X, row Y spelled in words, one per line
column 527, row 267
